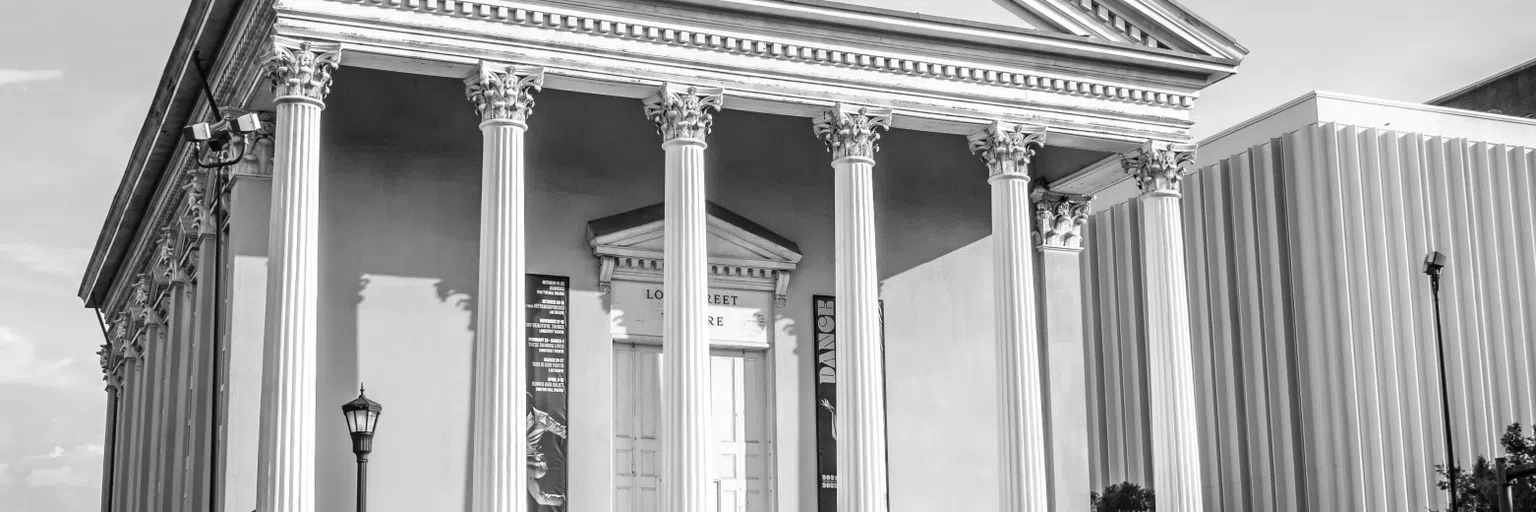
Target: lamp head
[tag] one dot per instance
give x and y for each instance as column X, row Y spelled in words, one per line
column 1433, row 262
column 362, row 414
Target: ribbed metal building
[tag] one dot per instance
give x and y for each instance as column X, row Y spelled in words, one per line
column 1313, row 332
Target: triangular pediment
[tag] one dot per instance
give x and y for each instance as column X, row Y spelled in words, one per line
column 1160, row 24
column 732, row 239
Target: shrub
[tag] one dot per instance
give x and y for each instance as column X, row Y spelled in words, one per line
column 1124, row 497
column 1476, row 489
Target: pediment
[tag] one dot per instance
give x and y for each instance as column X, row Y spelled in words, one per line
column 1160, row 24
column 742, row 253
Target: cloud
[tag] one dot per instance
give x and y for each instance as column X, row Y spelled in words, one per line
column 58, row 468
column 62, row 262
column 19, row 363
column 24, row 76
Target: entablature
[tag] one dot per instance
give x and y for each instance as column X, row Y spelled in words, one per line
column 1089, row 102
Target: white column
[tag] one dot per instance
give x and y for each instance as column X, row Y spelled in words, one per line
column 503, row 96
column 1058, row 238
column 852, row 135
column 683, row 116
column 111, row 368
column 1007, row 150
column 1157, row 167
column 300, row 72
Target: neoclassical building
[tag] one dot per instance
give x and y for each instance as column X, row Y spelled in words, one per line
column 657, row 255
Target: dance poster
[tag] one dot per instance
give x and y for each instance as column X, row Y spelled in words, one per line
column 825, row 332
column 548, row 399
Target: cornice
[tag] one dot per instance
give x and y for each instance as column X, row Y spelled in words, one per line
column 659, row 32
column 234, row 78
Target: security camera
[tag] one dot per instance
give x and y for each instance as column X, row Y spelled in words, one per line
column 248, row 123
column 1433, row 262
column 200, row 132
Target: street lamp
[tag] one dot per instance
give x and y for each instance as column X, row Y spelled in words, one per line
column 362, row 416
column 1433, row 262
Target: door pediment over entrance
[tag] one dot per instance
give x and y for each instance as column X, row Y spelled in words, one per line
column 743, row 255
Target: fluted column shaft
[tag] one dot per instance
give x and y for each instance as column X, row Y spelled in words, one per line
column 683, row 116
column 127, row 433
column 686, row 340
column 133, row 466
column 861, row 447
column 1171, row 381
column 502, row 95
column 852, row 135
column 1007, row 150
column 109, row 448
column 285, row 465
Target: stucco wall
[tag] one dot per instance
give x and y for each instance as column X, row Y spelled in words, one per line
column 399, row 225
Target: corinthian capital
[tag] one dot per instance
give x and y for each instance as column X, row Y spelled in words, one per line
column 851, row 131
column 194, row 217
column 683, row 111
column 504, row 92
column 301, row 69
column 1059, row 219
column 1157, row 166
column 1007, row 148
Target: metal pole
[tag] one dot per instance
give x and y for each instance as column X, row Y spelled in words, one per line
column 362, row 484
column 1445, row 403
column 1501, row 484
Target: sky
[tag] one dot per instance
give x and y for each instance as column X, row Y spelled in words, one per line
column 76, row 82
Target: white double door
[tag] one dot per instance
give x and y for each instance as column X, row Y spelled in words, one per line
column 739, row 430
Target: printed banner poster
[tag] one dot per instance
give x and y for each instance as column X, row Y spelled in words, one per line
column 825, row 312
column 548, row 399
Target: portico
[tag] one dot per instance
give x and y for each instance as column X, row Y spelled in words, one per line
column 806, row 150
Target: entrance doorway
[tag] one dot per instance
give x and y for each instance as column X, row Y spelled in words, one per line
column 740, row 425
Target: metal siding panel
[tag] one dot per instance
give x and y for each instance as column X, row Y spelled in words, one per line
column 1110, row 287
column 1139, row 426
column 1464, row 275
column 1225, row 360
column 1522, row 236
column 1427, row 441
column 1272, row 223
column 1200, row 335
column 1092, row 354
column 1341, row 368
column 1402, row 335
column 1517, row 279
column 1312, row 347
column 1251, row 342
column 1379, row 266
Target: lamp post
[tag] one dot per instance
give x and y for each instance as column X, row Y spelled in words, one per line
column 362, row 416
column 1433, row 262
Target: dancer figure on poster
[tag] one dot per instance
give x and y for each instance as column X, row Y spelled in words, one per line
column 832, row 413
column 540, row 422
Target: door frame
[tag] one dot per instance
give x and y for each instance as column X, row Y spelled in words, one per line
column 770, row 405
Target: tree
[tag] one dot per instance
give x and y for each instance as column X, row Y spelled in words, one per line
column 1475, row 490
column 1124, row 497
